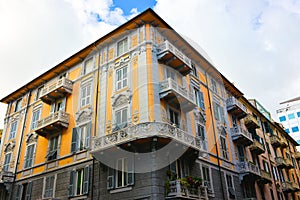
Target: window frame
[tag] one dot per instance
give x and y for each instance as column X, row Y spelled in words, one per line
column 87, row 97
column 51, row 189
column 230, row 185
column 121, row 77
column 208, row 183
column 7, row 160
column 18, row 105
column 84, row 181
column 172, row 119
column 52, row 154
column 76, row 137
column 219, row 113
column 29, row 161
column 86, row 61
column 38, row 92
column 13, row 130
column 125, row 48
column 214, row 85
column 34, row 118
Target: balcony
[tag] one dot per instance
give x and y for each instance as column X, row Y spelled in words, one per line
column 275, row 140
column 236, row 108
column 140, row 137
column 280, row 162
column 178, row 191
column 295, row 187
column 56, row 90
column 265, row 177
column 241, row 136
column 175, row 94
column 289, row 163
column 53, row 123
column 287, row 186
column 248, row 169
column 297, row 155
column 257, row 147
column 251, row 122
column 171, row 56
column 6, row 177
column 284, row 143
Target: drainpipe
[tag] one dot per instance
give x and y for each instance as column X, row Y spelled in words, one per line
column 214, row 130
column 20, row 144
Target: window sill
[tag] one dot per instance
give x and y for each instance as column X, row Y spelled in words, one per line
column 79, row 197
column 123, row 189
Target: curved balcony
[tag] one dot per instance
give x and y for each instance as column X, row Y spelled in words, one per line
column 265, row 177
column 248, row 170
column 171, row 56
column 280, row 162
column 139, row 137
column 287, row 186
column 175, row 94
column 56, row 90
column 251, row 122
column 178, row 191
column 275, row 140
column 236, row 108
column 257, row 147
column 6, row 177
column 289, row 163
column 53, row 123
column 241, row 136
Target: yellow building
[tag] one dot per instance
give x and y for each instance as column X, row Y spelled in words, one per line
column 141, row 114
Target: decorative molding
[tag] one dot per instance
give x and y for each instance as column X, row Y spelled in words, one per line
column 142, row 49
column 31, row 138
column 199, row 116
column 9, row 147
column 108, row 126
column 123, row 98
column 163, row 115
column 136, row 116
column 124, row 59
column 14, row 118
column 84, row 115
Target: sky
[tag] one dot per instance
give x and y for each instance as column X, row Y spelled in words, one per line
column 254, row 43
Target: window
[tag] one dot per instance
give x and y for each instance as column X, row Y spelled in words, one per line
column 39, row 93
column 178, row 169
column 122, row 47
column 298, row 114
column 122, row 175
column 6, row 162
column 291, row 116
column 85, row 98
column 287, row 130
column 268, row 148
column 194, row 70
column 274, row 173
column 88, row 65
column 207, row 179
column 230, row 188
column 218, row 112
column 282, row 118
column 295, row 129
column 29, row 156
column 201, row 134
column 35, row 118
column 58, row 105
column 121, row 117
column 53, row 148
column 24, row 191
column 79, row 182
column 213, row 85
column 13, row 130
column 174, row 117
column 49, row 183
column 266, row 166
column 81, row 137
column 170, row 74
column 121, row 78
column 224, row 147
column 18, row 105
column 199, row 99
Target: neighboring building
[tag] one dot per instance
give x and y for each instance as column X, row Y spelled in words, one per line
column 141, row 114
column 261, row 109
column 289, row 116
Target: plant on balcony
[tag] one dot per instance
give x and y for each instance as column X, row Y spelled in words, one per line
column 191, row 181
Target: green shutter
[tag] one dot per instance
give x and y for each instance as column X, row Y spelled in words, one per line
column 111, row 178
column 86, row 178
column 72, row 183
column 28, row 191
column 74, row 140
column 88, row 134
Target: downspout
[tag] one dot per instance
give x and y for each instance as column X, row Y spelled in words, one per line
column 95, row 127
column 214, row 130
column 20, row 144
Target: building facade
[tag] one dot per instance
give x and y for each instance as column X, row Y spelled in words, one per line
column 141, row 114
column 289, row 116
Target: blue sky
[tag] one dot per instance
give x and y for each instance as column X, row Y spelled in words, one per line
column 127, row 5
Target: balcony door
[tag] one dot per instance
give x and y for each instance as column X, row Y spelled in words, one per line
column 58, row 105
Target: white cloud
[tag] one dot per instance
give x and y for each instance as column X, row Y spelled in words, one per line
column 253, row 43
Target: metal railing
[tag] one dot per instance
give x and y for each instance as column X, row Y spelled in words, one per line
column 232, row 101
column 247, row 167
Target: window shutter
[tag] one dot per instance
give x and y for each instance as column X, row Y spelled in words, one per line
column 74, row 140
column 86, row 177
column 88, row 135
column 111, row 178
column 28, row 191
column 130, row 175
column 72, row 183
column 52, row 108
column 124, row 115
column 19, row 192
column 201, row 98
